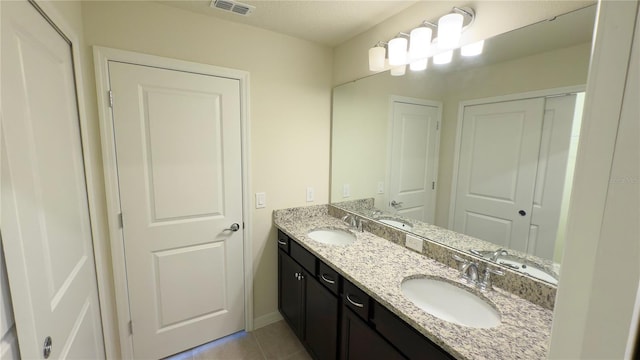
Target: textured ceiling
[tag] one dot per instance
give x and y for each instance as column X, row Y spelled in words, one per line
column 326, row 22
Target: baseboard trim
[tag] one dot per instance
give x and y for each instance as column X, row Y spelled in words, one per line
column 267, row 319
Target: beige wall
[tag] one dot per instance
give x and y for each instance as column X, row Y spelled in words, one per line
column 290, row 87
column 350, row 59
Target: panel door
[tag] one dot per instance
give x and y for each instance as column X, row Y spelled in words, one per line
column 46, row 231
column 178, row 148
column 414, row 155
column 497, row 171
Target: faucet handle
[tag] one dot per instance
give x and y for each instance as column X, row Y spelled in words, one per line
column 493, row 271
column 485, row 284
column 459, row 258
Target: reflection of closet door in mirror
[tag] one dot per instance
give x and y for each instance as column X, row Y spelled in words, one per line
column 550, row 178
column 414, row 157
column 497, row 171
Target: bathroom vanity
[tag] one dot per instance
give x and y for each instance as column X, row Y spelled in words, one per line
column 346, row 301
column 336, row 319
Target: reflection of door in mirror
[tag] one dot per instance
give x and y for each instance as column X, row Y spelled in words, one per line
column 414, row 157
column 513, row 162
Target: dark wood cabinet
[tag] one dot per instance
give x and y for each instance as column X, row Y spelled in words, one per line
column 321, row 321
column 335, row 318
column 290, row 292
column 361, row 342
column 310, row 308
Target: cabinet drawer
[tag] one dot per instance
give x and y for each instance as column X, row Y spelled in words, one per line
column 303, row 257
column 410, row 342
column 356, row 300
column 283, row 241
column 329, row 278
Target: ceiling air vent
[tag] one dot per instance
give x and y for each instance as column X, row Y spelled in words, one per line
column 233, row 6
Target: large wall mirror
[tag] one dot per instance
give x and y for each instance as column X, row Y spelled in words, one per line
column 484, row 146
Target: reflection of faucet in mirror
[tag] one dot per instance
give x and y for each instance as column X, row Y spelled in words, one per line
column 551, row 69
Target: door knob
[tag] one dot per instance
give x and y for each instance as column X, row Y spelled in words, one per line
column 46, row 350
column 522, row 213
column 396, row 204
column 234, row 227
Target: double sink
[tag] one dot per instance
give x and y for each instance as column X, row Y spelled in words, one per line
column 439, row 297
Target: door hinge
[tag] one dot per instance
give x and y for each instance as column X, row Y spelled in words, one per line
column 437, row 125
column 120, row 221
column 130, row 327
column 110, row 98
column 433, row 185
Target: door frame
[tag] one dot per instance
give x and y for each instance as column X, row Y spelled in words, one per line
column 489, row 100
column 93, row 186
column 414, row 101
column 102, row 55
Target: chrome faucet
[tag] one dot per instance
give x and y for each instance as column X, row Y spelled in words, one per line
column 354, row 222
column 468, row 270
column 350, row 220
column 497, row 253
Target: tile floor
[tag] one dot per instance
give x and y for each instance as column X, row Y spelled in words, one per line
column 275, row 341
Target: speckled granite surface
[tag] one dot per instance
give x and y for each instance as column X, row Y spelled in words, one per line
column 378, row 267
column 447, row 241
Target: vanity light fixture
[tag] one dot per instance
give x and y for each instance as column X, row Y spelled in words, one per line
column 377, row 57
column 443, row 57
column 398, row 50
column 398, row 70
column 449, row 31
column 472, row 49
column 421, row 47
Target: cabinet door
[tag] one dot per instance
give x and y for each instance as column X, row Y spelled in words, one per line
column 290, row 295
column 359, row 341
column 321, row 320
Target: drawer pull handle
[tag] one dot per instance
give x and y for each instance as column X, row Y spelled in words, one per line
column 282, row 242
column 356, row 304
column 323, row 276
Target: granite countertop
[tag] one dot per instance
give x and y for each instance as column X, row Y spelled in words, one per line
column 378, row 267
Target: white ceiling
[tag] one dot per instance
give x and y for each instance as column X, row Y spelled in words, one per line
column 327, row 22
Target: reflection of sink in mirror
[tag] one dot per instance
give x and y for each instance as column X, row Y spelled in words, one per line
column 400, row 224
column 451, row 303
column 527, row 268
column 332, row 236
column 513, row 262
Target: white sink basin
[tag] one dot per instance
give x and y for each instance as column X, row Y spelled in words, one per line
column 332, row 236
column 397, row 223
column 450, row 303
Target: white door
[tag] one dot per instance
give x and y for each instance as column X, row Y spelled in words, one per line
column 550, row 178
column 414, row 154
column 46, row 231
column 497, row 171
column 178, row 151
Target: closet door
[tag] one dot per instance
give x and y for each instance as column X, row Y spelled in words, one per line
column 497, row 171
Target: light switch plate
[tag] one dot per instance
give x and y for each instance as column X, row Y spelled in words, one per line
column 310, row 194
column 346, row 190
column 261, row 200
column 413, row 243
column 380, row 187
